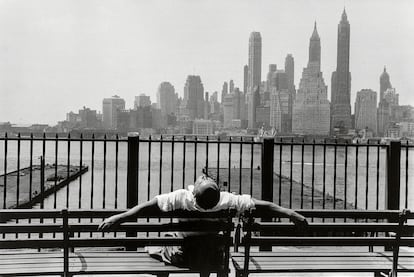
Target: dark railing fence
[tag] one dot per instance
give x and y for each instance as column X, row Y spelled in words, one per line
column 124, row 171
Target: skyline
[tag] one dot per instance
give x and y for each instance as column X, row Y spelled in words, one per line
column 77, row 53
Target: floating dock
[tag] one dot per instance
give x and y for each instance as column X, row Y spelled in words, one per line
column 292, row 192
column 24, row 188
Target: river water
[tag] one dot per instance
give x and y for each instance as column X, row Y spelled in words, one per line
column 104, row 185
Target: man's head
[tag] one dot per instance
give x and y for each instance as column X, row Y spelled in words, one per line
column 206, row 192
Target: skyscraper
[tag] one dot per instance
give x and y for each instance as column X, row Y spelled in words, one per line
column 245, row 78
column 384, row 106
column 166, row 98
column 290, row 71
column 224, row 91
column 231, row 86
column 384, row 83
column 270, row 76
column 311, row 108
column 366, row 110
column 254, row 76
column 194, row 97
column 341, row 81
column 110, row 108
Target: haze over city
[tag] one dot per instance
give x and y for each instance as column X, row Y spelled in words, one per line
column 58, row 56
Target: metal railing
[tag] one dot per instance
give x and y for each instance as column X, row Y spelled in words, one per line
column 125, row 171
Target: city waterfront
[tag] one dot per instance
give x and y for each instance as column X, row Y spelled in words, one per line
column 329, row 169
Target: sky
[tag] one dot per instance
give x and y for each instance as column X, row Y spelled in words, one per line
column 57, row 56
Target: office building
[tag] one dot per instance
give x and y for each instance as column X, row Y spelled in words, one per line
column 110, row 108
column 366, row 110
column 194, row 97
column 142, row 100
column 254, row 76
column 341, row 81
column 167, row 98
column 311, row 108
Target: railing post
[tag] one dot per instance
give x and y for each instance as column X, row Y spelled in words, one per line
column 132, row 178
column 267, row 176
column 392, row 194
column 132, row 170
column 267, row 169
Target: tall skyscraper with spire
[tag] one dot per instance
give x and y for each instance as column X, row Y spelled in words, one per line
column 254, row 76
column 384, row 83
column 311, row 108
column 341, row 81
column 385, row 106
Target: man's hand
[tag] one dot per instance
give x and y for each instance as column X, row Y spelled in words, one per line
column 109, row 222
column 301, row 224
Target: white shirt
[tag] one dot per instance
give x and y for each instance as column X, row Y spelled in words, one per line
column 183, row 199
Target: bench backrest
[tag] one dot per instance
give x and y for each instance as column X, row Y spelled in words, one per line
column 63, row 225
column 345, row 228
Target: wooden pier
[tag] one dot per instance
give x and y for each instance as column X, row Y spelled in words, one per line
column 24, row 188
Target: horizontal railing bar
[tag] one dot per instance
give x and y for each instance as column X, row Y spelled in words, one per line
column 211, row 140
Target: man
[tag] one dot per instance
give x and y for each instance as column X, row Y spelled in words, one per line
column 204, row 195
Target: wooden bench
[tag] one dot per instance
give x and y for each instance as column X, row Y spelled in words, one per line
column 339, row 245
column 67, row 243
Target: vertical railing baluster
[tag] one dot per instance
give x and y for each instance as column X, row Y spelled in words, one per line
column 240, row 165
column 31, row 170
column 195, row 158
column 313, row 174
column 251, row 165
column 104, row 174
column 68, row 172
column 291, row 174
column 160, row 179
column 172, row 163
column 324, row 177
column 149, row 168
column 280, row 170
column 80, row 177
column 31, row 175
column 378, row 166
column 229, row 169
column 346, row 175
column 301, row 172
column 5, row 173
column 206, row 167
column 80, row 169
column 334, row 175
column 184, row 144
column 92, row 172
column 116, row 170
column 367, row 177
column 18, row 171
column 56, row 170
column 218, row 160
column 356, row 174
column 406, row 175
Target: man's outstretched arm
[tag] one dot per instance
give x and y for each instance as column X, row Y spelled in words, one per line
column 271, row 209
column 141, row 209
